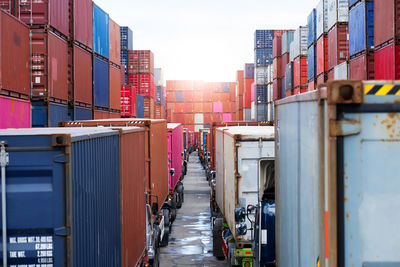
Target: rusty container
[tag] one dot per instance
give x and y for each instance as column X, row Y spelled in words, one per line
column 99, row 114
column 14, row 71
column 114, row 42
column 115, row 87
column 338, row 45
column 82, row 72
column 83, row 23
column 148, row 107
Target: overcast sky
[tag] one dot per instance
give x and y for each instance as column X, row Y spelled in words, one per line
column 203, row 39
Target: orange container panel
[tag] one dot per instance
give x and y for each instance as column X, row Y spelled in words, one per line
column 169, row 115
column 178, row 118
column 179, row 107
column 198, row 95
column 232, row 95
column 171, row 96
column 227, row 107
column 188, row 108
column 208, row 107
column 240, row 82
column 148, row 107
column 217, row 117
column 189, row 118
column 114, row 115
column 171, row 106
column 207, row 94
column 225, row 97
column 208, row 118
column 198, row 107
column 114, row 42
column 189, row 96
column 100, row 114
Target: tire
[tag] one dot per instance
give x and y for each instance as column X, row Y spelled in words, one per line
column 156, row 261
column 217, row 239
column 166, row 217
column 165, row 240
column 173, row 207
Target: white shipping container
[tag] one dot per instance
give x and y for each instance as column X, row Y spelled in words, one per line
column 338, row 11
column 159, row 77
column 247, row 114
column 253, row 111
column 341, row 71
column 261, row 74
column 197, row 127
column 270, row 92
column 270, row 73
column 199, row 118
column 271, row 111
column 250, row 152
column 322, row 17
column 299, row 42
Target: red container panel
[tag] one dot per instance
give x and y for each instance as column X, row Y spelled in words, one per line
column 362, row 67
column 277, row 46
column 188, row 107
column 115, row 87
column 45, row 12
column 386, row 21
column 387, row 63
column 284, row 62
column 247, row 93
column 300, row 90
column 100, row 114
column 15, row 113
column 277, row 89
column 83, row 22
column 277, row 69
column 198, row 107
column 208, row 107
column 198, row 95
column 171, row 96
column 148, row 107
column 322, row 55
column 128, row 101
column 141, row 62
column 82, row 70
column 300, row 71
column 208, row 118
column 14, row 55
column 144, row 84
column 226, row 107
column 114, row 42
column 189, row 96
column 189, row 118
column 114, row 115
column 232, row 95
column 178, row 118
column 240, row 82
column 311, row 86
column 7, row 6
column 321, row 79
column 331, row 75
column 179, row 107
column 338, row 45
column 217, row 117
column 49, row 65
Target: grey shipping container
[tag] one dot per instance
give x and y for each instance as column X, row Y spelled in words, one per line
column 337, row 201
column 63, row 197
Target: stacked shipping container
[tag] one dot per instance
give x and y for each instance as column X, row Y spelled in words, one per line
column 248, row 81
column 239, row 94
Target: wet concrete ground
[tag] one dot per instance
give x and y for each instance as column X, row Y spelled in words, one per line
column 190, row 243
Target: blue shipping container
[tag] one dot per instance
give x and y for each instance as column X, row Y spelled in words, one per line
column 226, row 87
column 126, row 38
column 45, row 114
column 180, row 96
column 124, row 59
column 268, row 225
column 283, row 87
column 312, row 27
column 361, row 27
column 158, row 95
column 289, row 77
column 311, row 62
column 353, row 2
column 249, row 71
column 262, row 93
column 101, row 79
column 263, row 38
column 263, row 57
column 63, row 197
column 100, row 32
column 139, row 106
column 79, row 113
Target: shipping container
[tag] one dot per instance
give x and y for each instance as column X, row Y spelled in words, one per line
column 82, row 69
column 144, row 84
column 148, row 107
column 299, row 45
column 139, row 106
column 300, row 71
column 321, row 79
column 246, row 114
column 47, row 114
column 76, row 113
column 101, row 114
column 361, row 27
column 83, row 23
column 114, row 42
column 341, row 72
column 66, row 192
column 277, row 89
column 175, row 150
column 49, row 65
column 277, row 47
column 361, row 67
column 338, row 12
column 253, row 92
column 101, row 94
column 263, row 57
column 338, row 45
column 247, row 93
column 263, row 38
column 159, row 77
column 126, row 38
column 312, row 25
column 311, row 62
column 322, row 18
column 262, row 112
column 300, row 89
column 140, row 62
column 289, row 77
column 115, row 88
column 347, row 215
column 261, row 75
column 101, row 41
column 322, row 55
column 249, row 71
column 277, row 70
column 14, row 60
column 54, row 15
column 312, row 84
column 128, row 101
column 386, row 21
column 284, row 62
column 261, row 93
column 253, row 111
column 114, row 115
column 287, row 39
column 15, row 113
column 387, row 62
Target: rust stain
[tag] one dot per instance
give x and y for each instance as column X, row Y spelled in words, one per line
column 390, row 135
column 374, row 124
column 347, row 216
column 347, row 178
column 345, row 200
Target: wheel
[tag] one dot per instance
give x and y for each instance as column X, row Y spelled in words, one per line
column 217, row 239
column 166, row 217
column 173, row 207
column 156, row 241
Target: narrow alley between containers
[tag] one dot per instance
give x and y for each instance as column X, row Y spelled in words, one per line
column 190, row 243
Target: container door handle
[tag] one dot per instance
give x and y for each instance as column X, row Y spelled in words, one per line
column 62, row 231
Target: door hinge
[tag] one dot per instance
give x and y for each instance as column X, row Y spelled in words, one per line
column 61, row 158
column 62, row 231
column 344, row 127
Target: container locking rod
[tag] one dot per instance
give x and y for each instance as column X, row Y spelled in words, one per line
column 4, row 161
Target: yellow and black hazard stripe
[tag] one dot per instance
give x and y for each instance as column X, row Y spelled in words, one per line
column 382, row 89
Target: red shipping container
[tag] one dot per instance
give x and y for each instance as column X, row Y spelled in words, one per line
column 288, row 93
column 322, row 55
column 115, row 88
column 188, row 107
column 362, row 67
column 232, row 95
column 311, row 85
column 179, row 118
column 300, row 71
column 179, row 107
column 338, row 45
column 277, row 89
column 277, row 69
column 386, row 21
column 114, row 42
column 300, row 89
column 141, row 62
column 114, row 115
column 247, row 93
column 208, row 107
column 215, row 87
column 277, row 46
column 128, row 101
column 189, row 127
column 233, row 107
column 387, row 63
column 49, row 66
column 279, row 32
column 101, row 114
column 171, row 97
column 189, row 96
column 148, row 107
column 122, row 74
column 198, row 95
column 15, row 113
column 208, row 118
column 240, row 82
column 331, row 75
column 49, row 12
column 226, row 107
column 198, row 107
column 321, row 79
column 82, row 70
column 83, row 22
column 14, row 70
column 189, row 118
column 7, row 6
column 207, row 94
column 171, row 106
column 285, row 60
column 234, row 116
column 144, row 84
column 217, row 117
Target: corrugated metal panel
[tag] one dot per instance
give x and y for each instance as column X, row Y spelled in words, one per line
column 338, row 45
column 115, row 88
column 126, row 38
column 199, row 118
column 386, row 21
column 261, row 93
column 100, row 114
column 46, row 114
column 83, row 22
column 299, row 45
column 277, row 89
column 341, row 71
column 311, row 62
column 262, row 57
column 175, row 149
column 261, row 75
column 82, row 76
column 361, row 27
column 81, row 113
column 100, row 32
column 387, row 63
column 139, row 106
column 277, row 47
column 338, row 11
column 287, row 39
column 140, row 62
column 312, row 24
column 263, row 38
column 322, row 55
column 277, row 71
column 300, row 71
column 249, row 71
column 217, row 107
column 262, row 112
column 362, row 67
column 114, row 38
column 93, row 194
column 15, row 113
column 289, row 77
column 101, row 94
column 322, row 18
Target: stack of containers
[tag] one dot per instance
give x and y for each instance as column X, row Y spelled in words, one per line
column 115, row 69
column 126, row 45
column 386, row 40
column 338, row 42
column 14, row 73
column 239, row 94
column 50, row 57
column 160, row 104
column 287, row 65
column 270, row 80
column 322, row 41
column 141, row 76
column 276, row 65
column 128, row 102
column 312, row 50
column 298, row 54
column 248, row 81
column 263, row 42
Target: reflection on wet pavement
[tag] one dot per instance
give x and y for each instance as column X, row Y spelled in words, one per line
column 190, row 243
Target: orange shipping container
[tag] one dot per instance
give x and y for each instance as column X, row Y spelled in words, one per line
column 188, row 108
column 227, row 107
column 198, row 107
column 225, row 97
column 171, row 96
column 208, row 107
column 148, row 107
column 207, row 94
column 198, row 95
column 208, row 118
column 115, row 88
column 100, row 114
column 189, row 96
column 189, row 118
column 171, row 106
column 232, row 96
column 178, row 118
column 114, row 115
column 82, row 73
column 179, row 107
column 240, row 82
column 114, row 42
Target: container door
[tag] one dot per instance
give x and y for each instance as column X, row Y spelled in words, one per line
column 369, row 187
column 36, row 203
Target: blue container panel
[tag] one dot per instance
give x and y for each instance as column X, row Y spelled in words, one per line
column 126, row 38
column 158, row 95
column 283, row 87
column 249, row 71
column 124, row 59
column 207, row 126
column 312, row 27
column 263, row 57
column 226, row 87
column 263, row 38
column 311, row 62
column 100, row 83
column 81, row 113
column 139, row 106
column 262, row 93
column 180, row 96
column 289, row 77
column 361, row 27
column 48, row 114
column 268, row 225
column 352, row 2
column 100, row 32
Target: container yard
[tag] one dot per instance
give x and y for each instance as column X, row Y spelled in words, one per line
column 127, row 144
